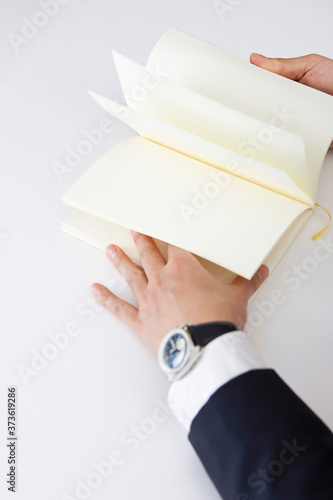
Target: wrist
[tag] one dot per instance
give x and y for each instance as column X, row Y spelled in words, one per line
column 182, row 346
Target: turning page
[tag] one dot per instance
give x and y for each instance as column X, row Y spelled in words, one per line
column 209, row 121
column 233, row 82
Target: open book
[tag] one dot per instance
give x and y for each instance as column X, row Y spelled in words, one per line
column 226, row 163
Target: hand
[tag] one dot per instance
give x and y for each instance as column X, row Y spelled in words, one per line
column 312, row 70
column 173, row 292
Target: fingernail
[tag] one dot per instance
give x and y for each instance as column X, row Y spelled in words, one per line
column 134, row 233
column 112, row 251
column 263, row 272
column 96, row 289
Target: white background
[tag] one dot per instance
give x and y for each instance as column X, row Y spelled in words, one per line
column 75, row 410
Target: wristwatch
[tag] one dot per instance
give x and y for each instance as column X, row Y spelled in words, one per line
column 182, row 346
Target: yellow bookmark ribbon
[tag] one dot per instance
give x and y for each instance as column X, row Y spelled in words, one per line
column 323, row 230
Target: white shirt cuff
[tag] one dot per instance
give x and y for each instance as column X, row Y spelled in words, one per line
column 223, row 359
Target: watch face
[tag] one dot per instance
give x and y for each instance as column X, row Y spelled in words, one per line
column 175, row 351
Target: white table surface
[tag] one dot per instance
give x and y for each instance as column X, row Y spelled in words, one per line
column 84, row 404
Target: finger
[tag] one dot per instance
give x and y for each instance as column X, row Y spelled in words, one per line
column 150, row 256
column 249, row 287
column 293, row 68
column 180, row 259
column 174, row 251
column 134, row 275
column 118, row 307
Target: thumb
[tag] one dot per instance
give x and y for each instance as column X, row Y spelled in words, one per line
column 294, row 68
column 249, row 287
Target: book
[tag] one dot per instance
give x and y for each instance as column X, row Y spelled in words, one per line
column 225, row 161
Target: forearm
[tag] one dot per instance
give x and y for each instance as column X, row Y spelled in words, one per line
column 257, row 439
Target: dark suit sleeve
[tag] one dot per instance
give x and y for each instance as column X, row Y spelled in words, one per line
column 258, row 440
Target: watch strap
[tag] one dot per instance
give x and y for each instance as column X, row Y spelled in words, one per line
column 204, row 333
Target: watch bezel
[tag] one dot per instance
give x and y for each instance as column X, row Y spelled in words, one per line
column 189, row 359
